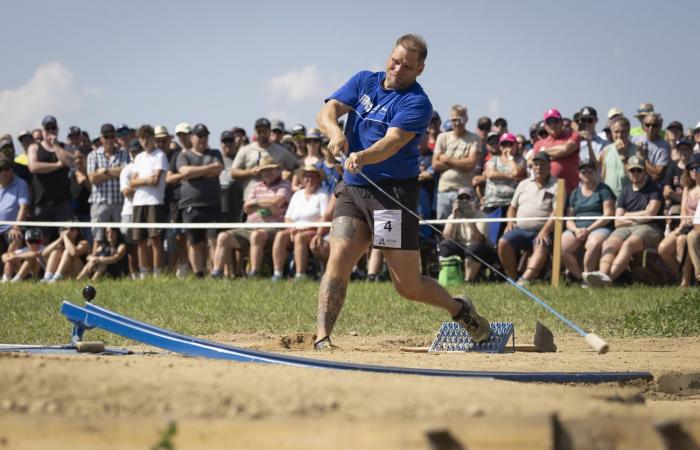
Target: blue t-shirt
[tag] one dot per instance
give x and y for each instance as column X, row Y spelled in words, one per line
column 11, row 197
column 374, row 111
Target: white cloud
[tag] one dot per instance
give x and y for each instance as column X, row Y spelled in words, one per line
column 298, row 85
column 52, row 89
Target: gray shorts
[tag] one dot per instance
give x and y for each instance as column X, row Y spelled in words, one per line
column 648, row 233
column 104, row 212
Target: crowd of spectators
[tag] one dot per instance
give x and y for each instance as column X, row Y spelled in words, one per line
column 147, row 175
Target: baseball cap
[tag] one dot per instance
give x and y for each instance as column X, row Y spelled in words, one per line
column 615, row 111
column 500, row 122
column 588, row 111
column 25, row 133
column 484, row 123
column 262, row 122
column 644, row 109
column 552, row 112
column 238, row 130
column 72, row 131
column 541, row 156
column 298, row 129
column 694, row 161
column 123, row 130
column 507, row 137
column 675, row 124
column 465, row 191
column 183, row 127
column 33, row 234
column 160, row 131
column 5, row 163
column 277, row 125
column 635, row 162
column 685, row 141
column 447, row 125
column 314, row 133
column 49, row 121
column 227, row 135
column 200, row 130
column 107, row 128
column 697, row 127
column 6, row 140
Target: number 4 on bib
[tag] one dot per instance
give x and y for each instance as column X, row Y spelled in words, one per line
column 387, row 228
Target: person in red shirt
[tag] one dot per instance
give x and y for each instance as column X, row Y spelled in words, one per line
column 562, row 146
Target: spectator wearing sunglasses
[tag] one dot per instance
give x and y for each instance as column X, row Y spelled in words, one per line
column 14, row 205
column 592, row 145
column 562, row 147
column 634, row 231
column 26, row 261
column 655, row 149
column 49, row 164
column 455, row 156
column 103, row 168
column 613, row 159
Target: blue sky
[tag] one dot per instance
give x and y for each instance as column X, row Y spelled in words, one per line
column 228, row 63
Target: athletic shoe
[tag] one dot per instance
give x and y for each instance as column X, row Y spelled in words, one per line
column 181, row 271
column 277, row 277
column 597, row 279
column 324, row 344
column 476, row 325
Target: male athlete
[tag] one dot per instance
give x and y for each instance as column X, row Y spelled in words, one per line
column 388, row 112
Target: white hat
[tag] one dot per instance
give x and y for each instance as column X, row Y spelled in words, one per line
column 614, row 112
column 183, row 127
column 160, row 131
column 697, row 127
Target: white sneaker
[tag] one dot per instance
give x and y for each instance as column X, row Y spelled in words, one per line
column 181, row 271
column 598, row 279
column 605, row 279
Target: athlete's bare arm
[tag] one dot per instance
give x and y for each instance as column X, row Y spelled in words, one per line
column 327, row 120
column 383, row 149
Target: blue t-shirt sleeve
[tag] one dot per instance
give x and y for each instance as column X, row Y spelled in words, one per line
column 414, row 115
column 23, row 193
column 349, row 93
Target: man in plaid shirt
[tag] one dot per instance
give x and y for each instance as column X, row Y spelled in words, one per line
column 104, row 166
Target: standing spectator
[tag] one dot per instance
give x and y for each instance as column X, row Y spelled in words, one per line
column 247, row 162
column 240, row 137
column 200, row 195
column 277, row 131
column 633, row 231
column 14, row 205
column 674, row 133
column 307, row 205
column 673, row 245
column 231, row 189
column 455, row 157
column 127, row 191
column 532, row 198
column 654, row 149
column 299, row 137
column 75, row 140
column 613, row 160
column 643, row 110
column 64, row 255
column 183, row 132
column 37, row 136
column 148, row 180
column 266, row 201
column 591, row 144
column 613, row 113
column 49, row 163
column 103, row 167
column 107, row 257
column 500, row 126
column 562, row 147
column 313, row 157
column 125, row 137
column 25, row 261
column 7, row 150
column 176, row 241
column 591, row 199
column 503, row 171
column 81, row 188
column 433, row 129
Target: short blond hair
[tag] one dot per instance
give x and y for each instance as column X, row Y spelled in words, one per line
column 414, row 43
column 460, row 110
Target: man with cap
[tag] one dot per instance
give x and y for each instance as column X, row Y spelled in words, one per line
column 231, row 189
column 124, row 137
column 183, row 132
column 49, row 164
column 591, row 144
column 298, row 133
column 455, row 156
column 534, row 197
column 388, row 113
column 14, row 205
column 277, row 131
column 103, row 168
column 200, row 195
column 655, row 150
column 75, row 139
column 175, row 237
column 246, row 164
column 634, row 231
column 266, row 201
column 562, row 147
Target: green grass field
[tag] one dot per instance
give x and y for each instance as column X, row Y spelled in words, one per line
column 29, row 312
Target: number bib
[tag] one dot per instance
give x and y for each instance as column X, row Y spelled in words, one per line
column 387, row 228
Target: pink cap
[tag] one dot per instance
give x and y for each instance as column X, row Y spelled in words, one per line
column 507, row 137
column 552, row 113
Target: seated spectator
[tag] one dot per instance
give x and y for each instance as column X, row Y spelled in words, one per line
column 674, row 133
column 14, row 205
column 320, row 245
column 307, row 205
column 654, row 149
column 562, row 146
column 532, row 198
column 613, row 159
column 591, row 199
column 633, row 231
column 694, row 243
column 25, row 261
column 64, row 255
column 674, row 244
column 266, row 202
column 673, row 186
column 473, row 236
column 108, row 256
column 502, row 172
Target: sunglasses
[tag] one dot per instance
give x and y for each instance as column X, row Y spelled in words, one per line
column 227, row 141
column 636, row 170
column 51, row 129
column 457, row 120
column 507, row 144
column 652, row 125
column 552, row 121
column 108, row 136
column 586, row 169
column 484, row 127
column 587, row 120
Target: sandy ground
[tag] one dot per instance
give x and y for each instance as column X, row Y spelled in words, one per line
column 92, row 401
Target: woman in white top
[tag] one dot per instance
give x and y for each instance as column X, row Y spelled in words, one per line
column 306, row 206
